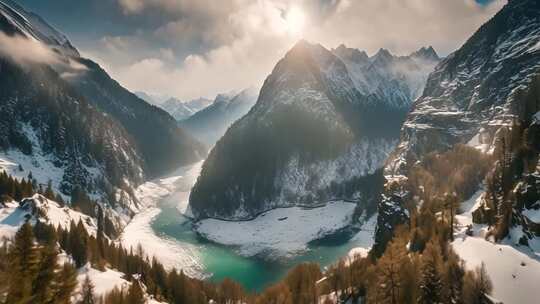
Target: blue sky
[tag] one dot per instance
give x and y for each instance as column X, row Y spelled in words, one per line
column 190, row 48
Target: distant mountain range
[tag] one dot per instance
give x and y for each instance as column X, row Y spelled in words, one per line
column 178, row 109
column 210, row 123
column 321, row 129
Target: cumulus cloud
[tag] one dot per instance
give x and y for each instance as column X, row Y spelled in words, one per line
column 207, row 47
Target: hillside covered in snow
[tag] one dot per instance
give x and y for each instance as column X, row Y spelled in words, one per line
column 65, row 120
column 479, row 111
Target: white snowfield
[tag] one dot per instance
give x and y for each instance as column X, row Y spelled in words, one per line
column 513, row 269
column 13, row 216
column 282, row 231
column 104, row 281
column 39, row 164
column 170, row 252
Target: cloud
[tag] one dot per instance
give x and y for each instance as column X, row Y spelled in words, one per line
column 403, row 26
column 206, row 47
column 25, row 51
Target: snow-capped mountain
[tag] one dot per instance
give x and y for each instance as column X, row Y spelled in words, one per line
column 67, row 121
column 154, row 99
column 320, row 130
column 210, row 123
column 198, row 104
column 182, row 110
column 177, row 108
column 34, row 27
column 395, row 79
column 486, row 95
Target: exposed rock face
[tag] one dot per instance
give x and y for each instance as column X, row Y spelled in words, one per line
column 489, row 83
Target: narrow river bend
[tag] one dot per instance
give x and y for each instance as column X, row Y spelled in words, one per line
column 165, row 232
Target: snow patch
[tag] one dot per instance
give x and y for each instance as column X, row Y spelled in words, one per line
column 283, row 231
column 14, row 215
column 104, row 281
column 170, row 252
column 533, row 215
column 361, row 159
column 510, row 268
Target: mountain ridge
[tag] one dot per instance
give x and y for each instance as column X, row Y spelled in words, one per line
column 476, row 96
column 324, row 122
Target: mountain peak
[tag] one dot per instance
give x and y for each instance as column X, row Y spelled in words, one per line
column 351, row 54
column 428, row 53
column 303, row 46
column 30, row 25
column 382, row 54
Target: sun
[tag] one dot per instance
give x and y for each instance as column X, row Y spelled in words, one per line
column 295, row 20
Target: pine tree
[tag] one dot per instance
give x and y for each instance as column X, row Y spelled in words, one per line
column 453, row 277
column 24, row 261
column 430, row 285
column 4, row 270
column 451, row 203
column 135, row 294
column 100, row 236
column 49, row 193
column 277, row 294
column 87, row 291
column 78, row 244
column 43, row 288
column 65, row 284
column 388, row 268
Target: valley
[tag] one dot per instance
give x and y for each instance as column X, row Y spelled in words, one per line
column 164, row 231
column 243, row 154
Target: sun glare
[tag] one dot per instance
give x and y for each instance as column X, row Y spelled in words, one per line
column 295, row 21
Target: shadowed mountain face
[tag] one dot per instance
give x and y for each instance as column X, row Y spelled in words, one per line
column 162, row 144
column 476, row 93
column 66, row 112
column 323, row 125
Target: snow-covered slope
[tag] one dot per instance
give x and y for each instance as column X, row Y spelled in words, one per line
column 394, row 79
column 177, row 108
column 182, row 110
column 210, row 123
column 474, row 90
column 66, row 120
column 514, row 269
column 34, row 27
column 38, row 208
column 486, row 88
column 324, row 122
